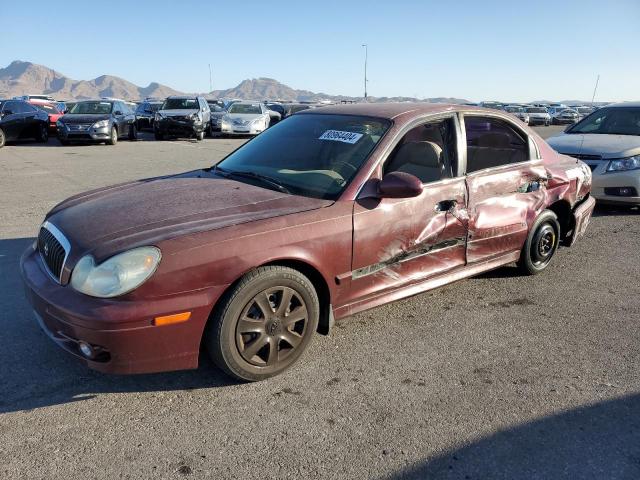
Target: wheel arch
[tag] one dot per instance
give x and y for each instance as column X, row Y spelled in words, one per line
column 562, row 209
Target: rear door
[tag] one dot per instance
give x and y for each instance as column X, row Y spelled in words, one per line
column 506, row 184
column 31, row 120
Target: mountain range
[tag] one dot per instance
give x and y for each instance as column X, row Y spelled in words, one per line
column 21, row 78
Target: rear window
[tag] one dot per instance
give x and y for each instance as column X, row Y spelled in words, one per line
column 47, row 108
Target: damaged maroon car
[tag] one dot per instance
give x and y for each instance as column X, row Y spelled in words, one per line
column 330, row 212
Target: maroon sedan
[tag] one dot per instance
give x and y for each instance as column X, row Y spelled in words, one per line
column 331, row 212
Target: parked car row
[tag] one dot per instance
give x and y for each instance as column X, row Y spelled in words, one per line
column 541, row 113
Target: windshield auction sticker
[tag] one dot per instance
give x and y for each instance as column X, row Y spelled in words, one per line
column 338, row 136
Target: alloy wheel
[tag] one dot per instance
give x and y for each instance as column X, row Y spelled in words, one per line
column 271, row 326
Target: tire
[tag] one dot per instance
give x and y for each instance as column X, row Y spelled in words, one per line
column 113, row 138
column 43, row 134
column 200, row 136
column 3, row 138
column 541, row 244
column 158, row 135
column 263, row 345
column 63, row 142
column 133, row 132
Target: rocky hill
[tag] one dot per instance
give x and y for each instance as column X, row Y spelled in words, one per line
column 21, row 78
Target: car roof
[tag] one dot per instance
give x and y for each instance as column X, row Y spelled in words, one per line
column 623, row 104
column 390, row 110
column 185, row 97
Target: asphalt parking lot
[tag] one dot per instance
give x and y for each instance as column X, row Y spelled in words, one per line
column 498, row 376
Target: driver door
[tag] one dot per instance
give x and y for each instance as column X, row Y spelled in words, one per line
column 402, row 241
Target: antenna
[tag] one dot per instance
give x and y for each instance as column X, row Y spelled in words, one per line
column 594, row 90
column 210, row 82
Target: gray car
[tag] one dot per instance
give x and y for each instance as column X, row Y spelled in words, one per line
column 538, row 116
column 217, row 112
column 182, row 115
column 519, row 112
column 245, row 118
column 608, row 141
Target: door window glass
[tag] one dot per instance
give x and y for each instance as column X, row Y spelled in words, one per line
column 492, row 142
column 427, row 151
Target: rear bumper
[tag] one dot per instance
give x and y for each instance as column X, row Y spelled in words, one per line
column 121, row 332
column 582, row 215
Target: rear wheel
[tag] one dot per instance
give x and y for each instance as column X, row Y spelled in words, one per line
column 2, row 138
column 263, row 324
column 541, row 244
column 43, row 134
column 113, row 138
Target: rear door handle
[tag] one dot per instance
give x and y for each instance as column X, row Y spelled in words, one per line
column 445, row 205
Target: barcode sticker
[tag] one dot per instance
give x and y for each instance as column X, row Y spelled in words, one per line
column 338, row 136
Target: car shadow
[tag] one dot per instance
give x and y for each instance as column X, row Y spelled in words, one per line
column 36, row 373
column 595, row 441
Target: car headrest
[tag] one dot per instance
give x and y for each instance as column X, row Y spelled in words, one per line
column 494, row 140
column 426, row 154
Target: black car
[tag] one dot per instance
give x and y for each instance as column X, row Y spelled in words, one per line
column 19, row 119
column 145, row 113
column 97, row 121
column 183, row 115
column 291, row 108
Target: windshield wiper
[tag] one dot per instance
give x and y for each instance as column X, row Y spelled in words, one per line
column 254, row 176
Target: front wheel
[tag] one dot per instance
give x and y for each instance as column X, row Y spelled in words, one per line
column 133, row 132
column 113, row 138
column 263, row 324
column 3, row 139
column 541, row 244
column 200, row 136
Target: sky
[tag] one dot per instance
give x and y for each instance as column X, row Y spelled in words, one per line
column 506, row 50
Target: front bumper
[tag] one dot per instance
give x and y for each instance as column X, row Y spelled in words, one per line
column 240, row 130
column 169, row 126
column 88, row 135
column 604, row 182
column 538, row 121
column 120, row 330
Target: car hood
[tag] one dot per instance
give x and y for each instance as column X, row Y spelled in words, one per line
column 80, row 118
column 178, row 113
column 243, row 116
column 608, row 146
column 148, row 211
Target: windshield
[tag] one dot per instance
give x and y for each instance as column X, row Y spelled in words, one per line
column 91, row 108
column 245, row 108
column 310, row 155
column 214, row 107
column 610, row 121
column 180, row 104
column 536, row 110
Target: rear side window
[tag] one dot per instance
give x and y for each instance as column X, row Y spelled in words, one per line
column 492, row 142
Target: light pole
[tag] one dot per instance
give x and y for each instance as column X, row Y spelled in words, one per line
column 366, row 55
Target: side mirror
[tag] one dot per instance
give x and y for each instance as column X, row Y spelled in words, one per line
column 399, row 185
column 117, row 112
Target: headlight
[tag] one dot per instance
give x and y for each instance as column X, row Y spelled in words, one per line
column 623, row 164
column 101, row 124
column 196, row 117
column 117, row 275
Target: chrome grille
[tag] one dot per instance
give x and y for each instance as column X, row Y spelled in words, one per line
column 77, row 127
column 54, row 249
